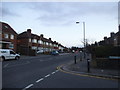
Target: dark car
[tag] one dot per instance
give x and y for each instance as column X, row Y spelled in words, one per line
column 55, row 53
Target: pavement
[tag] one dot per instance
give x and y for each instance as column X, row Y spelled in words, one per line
column 80, row 68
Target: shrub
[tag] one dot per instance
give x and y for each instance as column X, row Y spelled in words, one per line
column 106, row 51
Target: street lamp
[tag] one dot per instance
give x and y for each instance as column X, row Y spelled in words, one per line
column 88, row 60
column 83, row 36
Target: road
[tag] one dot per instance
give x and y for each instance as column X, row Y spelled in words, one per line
column 41, row 72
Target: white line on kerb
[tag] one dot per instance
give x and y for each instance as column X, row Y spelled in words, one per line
column 47, row 75
column 39, row 80
column 28, row 86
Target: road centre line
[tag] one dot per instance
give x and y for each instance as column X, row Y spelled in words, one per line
column 47, row 75
column 53, row 72
column 39, row 80
column 5, row 65
column 28, row 87
column 56, row 70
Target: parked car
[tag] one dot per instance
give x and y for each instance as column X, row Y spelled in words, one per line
column 55, row 53
column 39, row 51
column 8, row 54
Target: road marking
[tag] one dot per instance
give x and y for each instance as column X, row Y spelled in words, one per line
column 39, row 80
column 28, row 87
column 18, row 64
column 84, row 75
column 47, row 75
column 56, row 70
column 5, row 65
column 53, row 72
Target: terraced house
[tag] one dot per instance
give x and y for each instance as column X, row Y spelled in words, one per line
column 26, row 43
column 113, row 40
column 30, row 44
column 8, row 37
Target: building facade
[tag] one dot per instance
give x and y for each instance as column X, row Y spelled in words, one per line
column 113, row 40
column 26, row 43
column 30, row 44
column 8, row 37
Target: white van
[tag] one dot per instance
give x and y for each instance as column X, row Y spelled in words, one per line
column 8, row 54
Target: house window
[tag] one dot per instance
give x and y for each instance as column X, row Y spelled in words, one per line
column 50, row 44
column 46, row 43
column 34, row 40
column 6, row 27
column 29, row 39
column 11, row 46
column 39, row 41
column 5, row 35
column 11, row 36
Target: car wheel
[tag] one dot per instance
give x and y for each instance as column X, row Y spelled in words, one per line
column 16, row 58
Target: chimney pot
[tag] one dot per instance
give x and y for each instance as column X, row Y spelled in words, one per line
column 112, row 34
column 29, row 30
column 42, row 35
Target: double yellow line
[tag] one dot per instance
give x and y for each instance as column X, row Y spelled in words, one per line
column 84, row 75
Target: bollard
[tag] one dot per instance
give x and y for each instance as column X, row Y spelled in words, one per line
column 80, row 58
column 88, row 65
column 75, row 59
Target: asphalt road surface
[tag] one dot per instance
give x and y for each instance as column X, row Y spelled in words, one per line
column 41, row 72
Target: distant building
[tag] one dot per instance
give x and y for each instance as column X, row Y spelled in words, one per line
column 26, row 43
column 113, row 40
column 8, row 37
column 29, row 43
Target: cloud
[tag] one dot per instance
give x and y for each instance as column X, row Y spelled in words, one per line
column 60, row 13
column 119, row 13
column 8, row 12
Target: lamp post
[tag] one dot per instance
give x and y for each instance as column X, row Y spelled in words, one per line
column 83, row 36
column 88, row 60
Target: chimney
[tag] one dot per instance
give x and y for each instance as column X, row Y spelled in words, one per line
column 50, row 39
column 42, row 35
column 112, row 34
column 29, row 30
column 105, row 38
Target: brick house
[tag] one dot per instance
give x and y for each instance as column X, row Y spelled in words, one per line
column 24, row 42
column 29, row 44
column 113, row 40
column 8, row 37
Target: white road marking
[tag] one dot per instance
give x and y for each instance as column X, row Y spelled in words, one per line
column 39, row 80
column 47, row 75
column 53, row 72
column 5, row 65
column 56, row 70
column 28, row 86
column 19, row 64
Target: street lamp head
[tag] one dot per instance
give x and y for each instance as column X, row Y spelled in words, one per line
column 77, row 22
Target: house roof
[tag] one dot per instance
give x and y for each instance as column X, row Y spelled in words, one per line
column 6, row 28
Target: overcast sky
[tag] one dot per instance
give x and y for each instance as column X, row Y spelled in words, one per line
column 57, row 20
